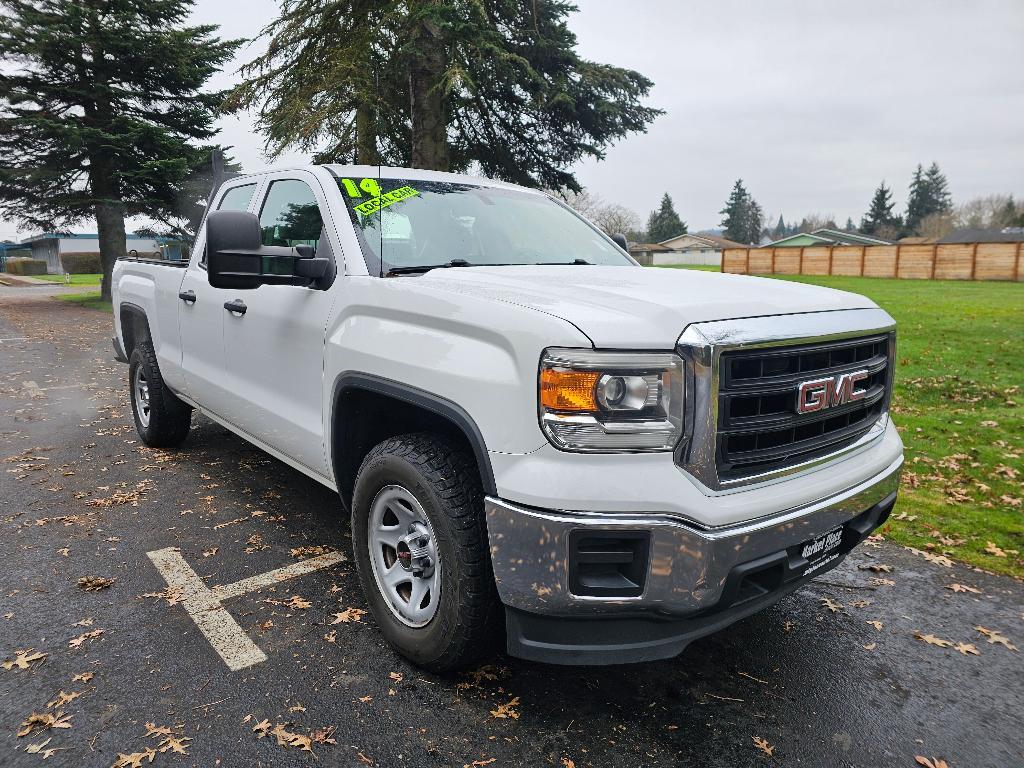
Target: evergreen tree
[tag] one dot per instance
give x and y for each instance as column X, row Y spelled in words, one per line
column 495, row 85
column 743, row 217
column 850, row 226
column 780, row 230
column 736, row 213
column 929, row 194
column 665, row 223
column 880, row 215
column 100, row 108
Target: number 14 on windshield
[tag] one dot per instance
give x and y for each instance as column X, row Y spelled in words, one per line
column 369, row 186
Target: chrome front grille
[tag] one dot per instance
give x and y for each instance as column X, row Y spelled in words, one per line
column 742, row 383
column 759, row 428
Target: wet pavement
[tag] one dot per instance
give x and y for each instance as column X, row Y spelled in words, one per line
column 126, row 670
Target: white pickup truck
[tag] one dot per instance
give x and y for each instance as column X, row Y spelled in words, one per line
column 532, row 433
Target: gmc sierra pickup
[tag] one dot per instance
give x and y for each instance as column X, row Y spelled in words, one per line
column 532, row 433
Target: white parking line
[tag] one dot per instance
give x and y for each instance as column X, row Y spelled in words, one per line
column 204, row 605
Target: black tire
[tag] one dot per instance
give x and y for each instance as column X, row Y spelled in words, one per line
column 443, row 478
column 169, row 418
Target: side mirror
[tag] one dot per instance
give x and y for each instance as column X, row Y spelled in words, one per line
column 236, row 257
column 620, row 240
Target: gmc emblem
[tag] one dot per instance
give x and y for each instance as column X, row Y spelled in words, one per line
column 819, row 394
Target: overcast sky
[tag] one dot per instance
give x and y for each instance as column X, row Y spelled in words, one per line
column 811, row 102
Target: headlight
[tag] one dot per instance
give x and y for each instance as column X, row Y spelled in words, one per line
column 606, row 402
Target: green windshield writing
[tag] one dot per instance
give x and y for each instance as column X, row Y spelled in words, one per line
column 373, row 205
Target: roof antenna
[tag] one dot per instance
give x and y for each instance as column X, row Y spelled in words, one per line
column 376, row 142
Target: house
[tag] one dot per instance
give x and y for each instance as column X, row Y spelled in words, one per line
column 1007, row 235
column 699, row 248
column 825, row 236
column 645, row 252
column 49, row 247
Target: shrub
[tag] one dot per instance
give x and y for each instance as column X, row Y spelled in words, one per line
column 81, row 263
column 26, row 267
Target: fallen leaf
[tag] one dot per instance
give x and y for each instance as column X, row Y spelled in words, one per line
column 763, row 745
column 963, row 588
column 210, row 552
column 94, row 583
column 567, row 763
column 508, row 710
column 935, row 762
column 870, row 646
column 152, row 729
column 967, row 648
column 62, row 699
column 311, row 551
column 331, row 636
column 298, row 603
column 83, row 677
column 876, row 568
column 349, row 615
column 87, row 622
column 933, row 640
column 324, row 735
column 876, row 624
column 993, row 550
column 831, row 604
column 176, row 744
column 24, row 659
column 38, row 722
column 995, row 636
column 396, row 676
column 39, row 749
column 134, row 760
column 261, row 729
column 173, row 595
column 75, row 642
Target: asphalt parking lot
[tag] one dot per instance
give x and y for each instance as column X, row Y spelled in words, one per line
column 122, row 674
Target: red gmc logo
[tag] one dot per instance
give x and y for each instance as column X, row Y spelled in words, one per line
column 819, row 394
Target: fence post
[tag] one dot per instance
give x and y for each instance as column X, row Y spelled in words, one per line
column 897, row 273
column 746, row 263
column 1016, row 265
column 801, row 260
column 935, row 258
column 863, row 251
column 830, row 260
column 773, row 261
column 974, row 260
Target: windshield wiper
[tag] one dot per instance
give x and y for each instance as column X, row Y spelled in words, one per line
column 581, row 262
column 417, row 268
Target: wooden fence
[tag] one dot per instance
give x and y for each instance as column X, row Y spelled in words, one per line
column 946, row 261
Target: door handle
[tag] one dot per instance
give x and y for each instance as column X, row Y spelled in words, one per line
column 189, row 297
column 235, row 305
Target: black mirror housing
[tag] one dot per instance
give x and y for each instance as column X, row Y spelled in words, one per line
column 236, row 257
column 620, row 240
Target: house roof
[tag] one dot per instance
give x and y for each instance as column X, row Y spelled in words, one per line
column 654, row 247
column 75, row 236
column 1008, row 235
column 711, row 241
column 826, row 236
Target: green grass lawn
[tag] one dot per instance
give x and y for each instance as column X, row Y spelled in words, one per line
column 75, row 279
column 959, row 407
column 700, row 267
column 90, row 300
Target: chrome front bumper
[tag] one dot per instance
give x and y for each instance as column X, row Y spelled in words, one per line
column 688, row 567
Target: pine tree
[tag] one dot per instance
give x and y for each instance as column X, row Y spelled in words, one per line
column 736, row 213
column 496, row 85
column 100, row 112
column 929, row 195
column 664, row 223
column 755, row 222
column 880, row 215
column 780, row 229
column 850, row 226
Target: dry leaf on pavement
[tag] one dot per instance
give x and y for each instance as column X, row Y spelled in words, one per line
column 38, row 722
column 298, row 602
column 24, row 659
column 962, row 588
column 62, row 699
column 763, row 745
column 933, row 640
column 94, row 583
column 995, row 636
column 83, row 677
column 77, row 641
column 876, row 624
column 134, row 760
column 967, row 648
column 935, row 762
column 831, row 604
column 349, row 615
column 40, row 749
column 506, row 711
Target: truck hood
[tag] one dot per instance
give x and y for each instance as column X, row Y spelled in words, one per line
column 639, row 308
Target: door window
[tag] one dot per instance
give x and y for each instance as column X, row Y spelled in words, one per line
column 290, row 215
column 237, row 198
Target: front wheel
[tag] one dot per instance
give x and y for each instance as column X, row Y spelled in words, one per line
column 161, row 419
column 421, row 550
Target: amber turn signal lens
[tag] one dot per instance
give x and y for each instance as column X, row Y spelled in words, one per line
column 568, row 390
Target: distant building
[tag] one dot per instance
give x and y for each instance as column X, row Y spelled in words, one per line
column 700, row 248
column 646, row 252
column 826, row 237
column 1007, row 235
column 50, row 247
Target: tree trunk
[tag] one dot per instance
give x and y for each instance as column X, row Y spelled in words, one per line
column 366, row 135
column 426, row 98
column 110, row 226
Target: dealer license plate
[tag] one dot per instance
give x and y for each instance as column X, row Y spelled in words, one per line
column 823, row 550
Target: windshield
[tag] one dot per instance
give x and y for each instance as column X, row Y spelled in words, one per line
column 404, row 224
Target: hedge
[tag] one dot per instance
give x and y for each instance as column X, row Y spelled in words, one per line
column 26, row 267
column 81, row 263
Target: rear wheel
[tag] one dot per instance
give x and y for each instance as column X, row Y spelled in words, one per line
column 421, row 550
column 161, row 419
